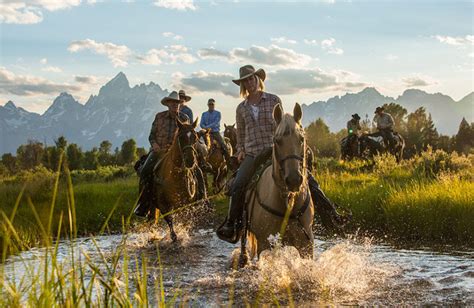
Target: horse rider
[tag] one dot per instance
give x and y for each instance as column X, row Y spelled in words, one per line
column 255, row 125
column 353, row 126
column 211, row 119
column 384, row 122
column 161, row 137
column 183, row 107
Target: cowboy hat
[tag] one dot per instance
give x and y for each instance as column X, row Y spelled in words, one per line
column 173, row 97
column 247, row 71
column 378, row 109
column 183, row 95
column 356, row 116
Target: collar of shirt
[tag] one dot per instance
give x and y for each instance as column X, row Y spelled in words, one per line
column 263, row 97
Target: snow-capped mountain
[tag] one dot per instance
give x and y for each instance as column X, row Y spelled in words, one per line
column 446, row 113
column 117, row 113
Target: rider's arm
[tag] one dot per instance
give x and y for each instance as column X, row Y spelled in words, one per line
column 152, row 135
column 203, row 121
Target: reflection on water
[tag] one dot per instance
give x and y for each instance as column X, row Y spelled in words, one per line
column 343, row 271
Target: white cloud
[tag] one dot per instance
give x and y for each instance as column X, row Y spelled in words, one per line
column 52, row 69
column 282, row 40
column 175, row 37
column 328, row 45
column 31, row 11
column 418, row 80
column 212, row 53
column 167, row 55
column 180, row 5
column 391, row 57
column 310, row 42
column 201, row 81
column 27, row 85
column 456, row 40
column 44, row 61
column 117, row 54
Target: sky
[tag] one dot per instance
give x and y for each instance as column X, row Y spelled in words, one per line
column 310, row 50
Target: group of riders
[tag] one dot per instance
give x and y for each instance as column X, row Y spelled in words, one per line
column 385, row 139
column 254, row 141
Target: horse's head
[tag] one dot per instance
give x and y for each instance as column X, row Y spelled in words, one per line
column 230, row 131
column 186, row 137
column 289, row 147
column 205, row 134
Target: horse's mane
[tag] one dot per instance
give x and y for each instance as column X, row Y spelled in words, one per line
column 288, row 126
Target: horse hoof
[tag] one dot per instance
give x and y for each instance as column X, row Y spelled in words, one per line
column 174, row 237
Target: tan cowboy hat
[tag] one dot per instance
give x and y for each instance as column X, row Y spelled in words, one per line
column 182, row 94
column 247, row 71
column 172, row 97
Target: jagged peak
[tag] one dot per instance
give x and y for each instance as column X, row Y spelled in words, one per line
column 370, row 90
column 10, row 105
column 120, row 80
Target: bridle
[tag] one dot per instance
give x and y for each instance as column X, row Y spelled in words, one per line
column 183, row 148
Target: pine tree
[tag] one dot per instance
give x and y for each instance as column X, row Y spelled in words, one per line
column 464, row 140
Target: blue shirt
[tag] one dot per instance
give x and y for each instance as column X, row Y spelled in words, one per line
column 211, row 120
column 187, row 111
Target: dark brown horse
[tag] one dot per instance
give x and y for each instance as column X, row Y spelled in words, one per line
column 230, row 132
column 175, row 179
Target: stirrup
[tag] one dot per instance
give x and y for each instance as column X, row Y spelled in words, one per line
column 236, row 236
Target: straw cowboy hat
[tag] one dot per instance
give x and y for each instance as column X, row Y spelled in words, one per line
column 247, row 71
column 173, row 97
column 182, row 94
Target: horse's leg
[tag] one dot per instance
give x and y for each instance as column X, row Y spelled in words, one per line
column 244, row 257
column 169, row 221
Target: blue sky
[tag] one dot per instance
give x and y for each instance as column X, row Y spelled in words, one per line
column 311, row 50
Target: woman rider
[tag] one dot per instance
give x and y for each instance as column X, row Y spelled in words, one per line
column 254, row 119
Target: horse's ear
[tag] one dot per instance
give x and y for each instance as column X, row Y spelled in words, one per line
column 195, row 123
column 225, row 126
column 277, row 113
column 297, row 113
column 233, row 125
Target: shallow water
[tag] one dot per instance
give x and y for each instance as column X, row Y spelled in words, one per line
column 199, row 270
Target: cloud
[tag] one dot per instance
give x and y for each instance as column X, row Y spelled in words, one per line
column 391, row 57
column 310, row 42
column 27, row 85
column 212, row 53
column 44, row 61
column 418, row 81
column 271, row 56
column 52, row 69
column 180, row 5
column 208, row 82
column 31, row 11
column 293, row 81
column 175, row 37
column 328, row 45
column 117, row 54
column 456, row 40
column 168, row 55
column 282, row 40
column 85, row 79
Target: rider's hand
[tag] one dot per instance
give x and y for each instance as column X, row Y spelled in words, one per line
column 241, row 156
column 156, row 148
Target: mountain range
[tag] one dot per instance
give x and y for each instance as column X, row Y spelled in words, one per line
column 119, row 112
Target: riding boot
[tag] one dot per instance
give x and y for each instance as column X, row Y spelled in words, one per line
column 143, row 205
column 201, row 184
column 326, row 209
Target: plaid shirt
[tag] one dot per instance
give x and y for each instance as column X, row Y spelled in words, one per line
column 163, row 129
column 254, row 135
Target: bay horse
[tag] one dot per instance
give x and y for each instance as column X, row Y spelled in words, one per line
column 217, row 162
column 175, row 180
column 349, row 147
column 230, row 132
column 280, row 203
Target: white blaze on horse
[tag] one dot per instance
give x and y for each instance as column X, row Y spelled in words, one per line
column 280, row 202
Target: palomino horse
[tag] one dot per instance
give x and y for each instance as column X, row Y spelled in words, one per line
column 230, row 132
column 175, row 179
column 371, row 145
column 281, row 201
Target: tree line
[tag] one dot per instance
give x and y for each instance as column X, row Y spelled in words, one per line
column 35, row 153
column 417, row 128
